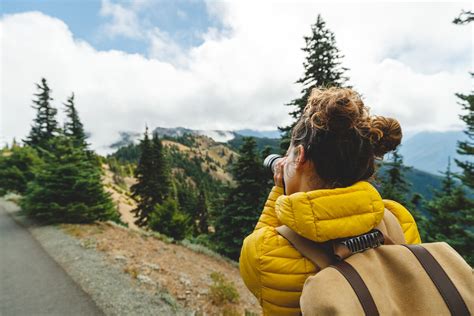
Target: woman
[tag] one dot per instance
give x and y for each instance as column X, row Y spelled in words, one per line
column 326, row 171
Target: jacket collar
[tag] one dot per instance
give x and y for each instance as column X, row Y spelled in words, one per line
column 326, row 214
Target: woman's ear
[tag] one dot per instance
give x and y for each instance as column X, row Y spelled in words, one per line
column 300, row 156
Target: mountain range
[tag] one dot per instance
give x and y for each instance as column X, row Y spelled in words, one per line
column 430, row 151
column 425, row 151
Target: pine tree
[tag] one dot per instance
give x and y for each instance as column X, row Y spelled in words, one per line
column 452, row 209
column 466, row 148
column 322, row 69
column 68, row 188
column 45, row 125
column 467, row 102
column 153, row 178
column 73, row 127
column 243, row 202
column 187, row 201
column 142, row 189
column 448, row 184
column 160, row 173
column 451, row 217
column 394, row 185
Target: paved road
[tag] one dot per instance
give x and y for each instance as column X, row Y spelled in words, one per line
column 31, row 282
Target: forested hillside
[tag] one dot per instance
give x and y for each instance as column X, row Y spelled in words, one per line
column 217, row 158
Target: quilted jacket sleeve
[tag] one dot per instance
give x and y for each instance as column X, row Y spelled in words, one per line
column 270, row 267
column 268, row 216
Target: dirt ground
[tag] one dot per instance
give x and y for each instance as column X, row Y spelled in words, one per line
column 155, row 264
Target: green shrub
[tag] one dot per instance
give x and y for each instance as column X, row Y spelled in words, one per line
column 18, row 168
column 167, row 219
column 221, row 290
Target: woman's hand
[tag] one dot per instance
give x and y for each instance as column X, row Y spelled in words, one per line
column 278, row 175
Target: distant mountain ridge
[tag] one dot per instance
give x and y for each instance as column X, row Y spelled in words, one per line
column 429, row 151
column 260, row 134
column 220, row 136
column 426, row 151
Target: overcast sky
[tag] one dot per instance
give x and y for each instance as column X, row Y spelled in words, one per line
column 225, row 65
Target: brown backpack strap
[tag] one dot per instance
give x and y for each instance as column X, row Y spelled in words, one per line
column 322, row 258
column 392, row 234
column 308, row 248
column 441, row 280
column 359, row 286
column 391, row 228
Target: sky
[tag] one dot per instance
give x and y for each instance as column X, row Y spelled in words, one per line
column 225, row 65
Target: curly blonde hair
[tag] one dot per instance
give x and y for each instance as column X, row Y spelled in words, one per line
column 340, row 136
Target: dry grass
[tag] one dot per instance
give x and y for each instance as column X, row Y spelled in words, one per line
column 222, row 290
column 184, row 273
column 132, row 270
column 75, row 230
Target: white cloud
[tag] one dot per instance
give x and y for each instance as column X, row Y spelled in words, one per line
column 123, row 21
column 163, row 47
column 407, row 59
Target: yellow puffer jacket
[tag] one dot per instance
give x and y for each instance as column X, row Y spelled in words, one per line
column 274, row 271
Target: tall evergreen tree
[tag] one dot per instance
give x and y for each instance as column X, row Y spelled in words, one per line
column 167, row 216
column 466, row 147
column 448, row 184
column 45, row 125
column 243, row 203
column 451, row 217
column 187, row 201
column 68, row 188
column 160, row 173
column 73, row 126
column 153, row 178
column 322, row 69
column 451, row 211
column 394, row 184
column 142, row 189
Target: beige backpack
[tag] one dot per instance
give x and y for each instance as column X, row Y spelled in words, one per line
column 378, row 274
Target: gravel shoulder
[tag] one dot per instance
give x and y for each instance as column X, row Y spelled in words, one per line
column 113, row 291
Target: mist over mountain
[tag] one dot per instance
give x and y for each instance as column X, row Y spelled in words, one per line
column 220, row 136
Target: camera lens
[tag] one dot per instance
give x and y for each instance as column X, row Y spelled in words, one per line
column 271, row 161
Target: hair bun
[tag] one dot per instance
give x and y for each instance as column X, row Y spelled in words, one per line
column 335, row 109
column 385, row 134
